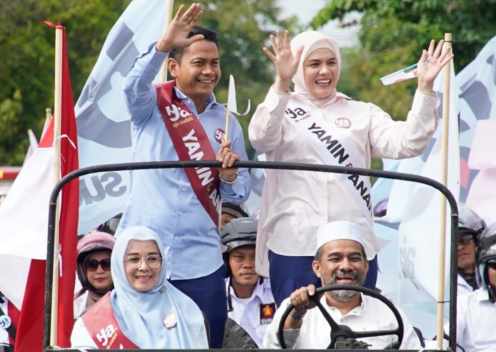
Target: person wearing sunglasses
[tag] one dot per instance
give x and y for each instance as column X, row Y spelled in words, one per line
column 477, row 310
column 93, row 269
column 143, row 310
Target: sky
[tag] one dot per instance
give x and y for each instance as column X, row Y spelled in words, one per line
column 306, row 9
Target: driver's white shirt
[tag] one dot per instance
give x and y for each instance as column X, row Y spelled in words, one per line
column 476, row 323
column 315, row 331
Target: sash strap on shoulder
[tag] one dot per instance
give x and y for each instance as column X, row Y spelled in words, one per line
column 103, row 328
column 191, row 143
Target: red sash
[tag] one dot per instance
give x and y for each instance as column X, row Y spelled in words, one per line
column 191, row 143
column 100, row 322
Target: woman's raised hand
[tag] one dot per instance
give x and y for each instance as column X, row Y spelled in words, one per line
column 430, row 64
column 285, row 63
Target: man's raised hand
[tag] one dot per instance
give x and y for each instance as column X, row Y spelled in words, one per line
column 177, row 32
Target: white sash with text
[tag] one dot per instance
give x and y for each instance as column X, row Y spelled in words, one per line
column 332, row 151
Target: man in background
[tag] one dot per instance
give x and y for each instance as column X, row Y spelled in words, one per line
column 250, row 303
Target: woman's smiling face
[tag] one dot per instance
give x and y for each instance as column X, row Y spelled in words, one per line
column 142, row 264
column 321, row 72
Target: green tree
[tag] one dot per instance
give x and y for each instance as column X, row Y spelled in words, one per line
column 27, row 46
column 395, row 23
column 392, row 35
column 27, row 66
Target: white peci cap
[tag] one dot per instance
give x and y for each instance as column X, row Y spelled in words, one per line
column 346, row 230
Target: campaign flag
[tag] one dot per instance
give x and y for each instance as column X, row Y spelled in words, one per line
column 414, row 210
column 103, row 119
column 24, row 219
column 477, row 82
column 476, row 112
column 420, row 223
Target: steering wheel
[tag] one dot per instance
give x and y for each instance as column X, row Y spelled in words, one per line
column 343, row 331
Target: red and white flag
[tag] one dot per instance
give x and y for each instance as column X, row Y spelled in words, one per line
column 24, row 221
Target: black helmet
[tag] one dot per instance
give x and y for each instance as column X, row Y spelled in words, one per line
column 469, row 223
column 487, row 254
column 239, row 232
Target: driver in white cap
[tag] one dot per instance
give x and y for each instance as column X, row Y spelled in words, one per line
column 341, row 258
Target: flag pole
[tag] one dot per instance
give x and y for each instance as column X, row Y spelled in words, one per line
column 448, row 39
column 57, row 125
column 226, row 127
column 225, row 138
column 163, row 69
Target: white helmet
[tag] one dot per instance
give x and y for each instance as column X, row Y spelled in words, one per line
column 469, row 223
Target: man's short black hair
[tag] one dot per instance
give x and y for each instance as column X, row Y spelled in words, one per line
column 209, row 35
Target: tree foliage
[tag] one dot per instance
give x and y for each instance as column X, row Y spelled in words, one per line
column 27, row 46
column 394, row 23
column 392, row 35
column 27, row 66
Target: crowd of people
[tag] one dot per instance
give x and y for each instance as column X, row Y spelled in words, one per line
column 177, row 275
column 144, row 296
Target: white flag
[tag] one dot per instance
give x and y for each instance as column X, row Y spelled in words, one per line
column 417, row 207
column 477, row 83
column 476, row 105
column 413, row 216
column 37, row 180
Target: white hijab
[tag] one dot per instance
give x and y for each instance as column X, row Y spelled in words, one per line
column 141, row 314
column 311, row 41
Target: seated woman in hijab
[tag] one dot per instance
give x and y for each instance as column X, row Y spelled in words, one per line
column 317, row 124
column 143, row 310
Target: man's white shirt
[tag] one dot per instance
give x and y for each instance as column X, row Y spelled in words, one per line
column 463, row 287
column 476, row 322
column 315, row 331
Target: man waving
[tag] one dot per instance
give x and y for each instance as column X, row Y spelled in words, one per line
column 180, row 120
